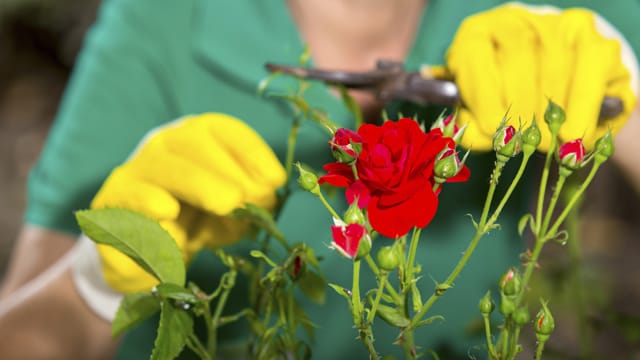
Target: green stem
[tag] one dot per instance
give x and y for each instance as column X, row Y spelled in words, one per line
column 514, row 343
column 506, row 338
column 539, row 349
column 409, row 266
column 543, row 182
column 355, row 295
column 575, row 261
column 553, row 202
column 328, row 206
column 376, row 300
column 196, row 346
column 481, row 229
column 487, row 331
column 575, row 198
column 376, row 271
column 529, row 269
column 228, row 280
column 291, row 145
column 507, row 195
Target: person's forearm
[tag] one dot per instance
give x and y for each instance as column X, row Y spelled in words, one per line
column 51, row 321
column 34, row 251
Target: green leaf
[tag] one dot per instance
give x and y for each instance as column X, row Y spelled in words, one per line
column 137, row 236
column 393, row 316
column 526, row 219
column 175, row 327
column 175, row 292
column 314, row 286
column 260, row 217
column 134, row 308
column 416, row 298
column 430, row 320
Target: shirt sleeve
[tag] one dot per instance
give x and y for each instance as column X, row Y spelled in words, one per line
column 120, row 89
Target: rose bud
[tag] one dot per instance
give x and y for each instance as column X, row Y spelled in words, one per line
column 388, row 258
column 346, row 145
column 531, row 138
column 510, row 283
column 347, row 238
column 354, row 214
column 554, row 116
column 447, row 165
column 486, row 305
column 521, row 317
column 604, row 147
column 308, row 180
column 447, row 125
column 545, row 323
column 506, row 142
column 571, row 156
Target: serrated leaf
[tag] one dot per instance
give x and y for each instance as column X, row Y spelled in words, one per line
column 173, row 330
column 134, row 309
column 314, row 286
column 392, row 316
column 137, row 236
column 175, row 292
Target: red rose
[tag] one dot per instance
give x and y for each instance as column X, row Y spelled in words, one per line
column 395, row 175
column 571, row 154
column 347, row 238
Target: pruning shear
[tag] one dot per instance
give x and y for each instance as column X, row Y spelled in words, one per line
column 390, row 81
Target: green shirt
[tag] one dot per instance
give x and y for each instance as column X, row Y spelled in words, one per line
column 147, row 62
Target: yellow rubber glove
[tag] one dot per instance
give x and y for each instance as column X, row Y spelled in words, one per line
column 515, row 58
column 188, row 175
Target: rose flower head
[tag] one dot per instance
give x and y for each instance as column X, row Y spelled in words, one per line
column 395, row 181
column 571, row 154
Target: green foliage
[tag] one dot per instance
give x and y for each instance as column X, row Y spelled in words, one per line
column 174, row 330
column 134, row 309
column 137, row 236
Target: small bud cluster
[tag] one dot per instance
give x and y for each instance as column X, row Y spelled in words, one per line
column 447, row 163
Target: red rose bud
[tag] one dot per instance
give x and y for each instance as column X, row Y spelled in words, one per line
column 554, row 116
column 486, row 305
column 571, row 155
column 510, row 283
column 308, row 180
column 447, row 125
column 346, row 145
column 531, row 138
column 447, row 165
column 296, row 268
column 544, row 324
column 388, row 258
column 347, row 238
column 506, row 142
column 604, row 147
